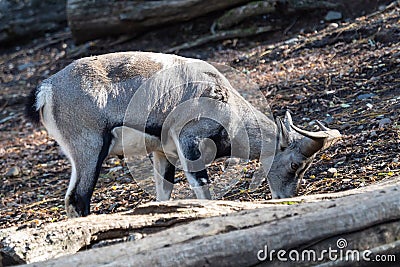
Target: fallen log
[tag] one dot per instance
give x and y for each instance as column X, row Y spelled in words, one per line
column 256, row 8
column 20, row 20
column 154, row 226
column 93, row 19
column 222, row 35
column 366, row 221
column 23, row 245
column 89, row 20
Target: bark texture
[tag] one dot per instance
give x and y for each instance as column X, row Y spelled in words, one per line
column 24, row 245
column 256, row 8
column 93, row 19
column 181, row 234
column 20, row 20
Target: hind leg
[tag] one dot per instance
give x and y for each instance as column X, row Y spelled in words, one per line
column 85, row 144
column 86, row 157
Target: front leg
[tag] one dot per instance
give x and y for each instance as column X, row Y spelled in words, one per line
column 193, row 162
column 199, row 183
column 164, row 174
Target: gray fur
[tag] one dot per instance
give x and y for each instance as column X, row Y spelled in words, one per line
column 85, row 104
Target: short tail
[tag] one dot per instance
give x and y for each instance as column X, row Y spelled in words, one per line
column 36, row 101
column 32, row 113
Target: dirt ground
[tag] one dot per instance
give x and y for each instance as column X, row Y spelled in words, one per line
column 345, row 74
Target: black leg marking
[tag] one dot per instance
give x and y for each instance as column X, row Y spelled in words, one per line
column 81, row 196
column 170, row 173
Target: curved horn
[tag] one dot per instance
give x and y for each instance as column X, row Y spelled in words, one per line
column 323, row 127
column 315, row 141
column 312, row 135
column 326, row 132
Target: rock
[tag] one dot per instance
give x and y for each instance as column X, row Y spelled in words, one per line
column 300, row 97
column 337, row 164
column 328, row 119
column 115, row 169
column 332, row 172
column 340, row 160
column 13, row 172
column 333, row 15
column 113, row 206
column 373, row 134
column 334, row 25
column 345, row 126
column 25, row 66
column 345, row 105
column 292, row 41
column 329, row 92
column 384, row 121
column 365, row 96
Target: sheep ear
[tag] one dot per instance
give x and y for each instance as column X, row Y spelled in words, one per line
column 283, row 133
column 288, row 120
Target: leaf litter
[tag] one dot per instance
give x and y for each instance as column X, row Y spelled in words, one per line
column 346, row 76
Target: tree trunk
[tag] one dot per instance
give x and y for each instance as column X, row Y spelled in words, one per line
column 93, row 19
column 166, row 233
column 20, row 20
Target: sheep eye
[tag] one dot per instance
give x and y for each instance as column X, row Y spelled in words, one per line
column 294, row 166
